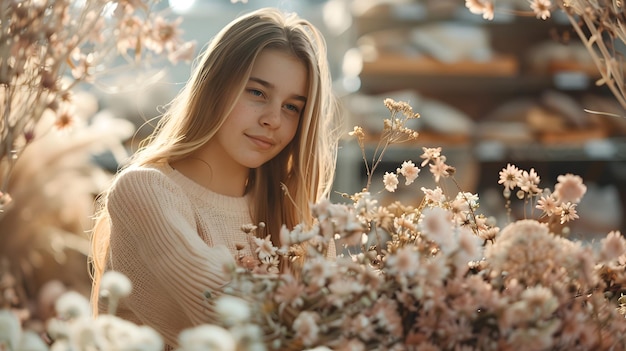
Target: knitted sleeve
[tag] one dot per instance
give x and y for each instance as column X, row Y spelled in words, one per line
column 155, row 225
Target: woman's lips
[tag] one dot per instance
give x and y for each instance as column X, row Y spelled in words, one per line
column 261, row 141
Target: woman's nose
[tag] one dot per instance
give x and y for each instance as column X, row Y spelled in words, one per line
column 271, row 116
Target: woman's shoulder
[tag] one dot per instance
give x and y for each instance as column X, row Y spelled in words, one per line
column 138, row 178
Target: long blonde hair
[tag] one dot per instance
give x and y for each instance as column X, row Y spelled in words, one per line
column 283, row 188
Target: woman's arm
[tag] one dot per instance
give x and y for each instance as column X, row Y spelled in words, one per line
column 150, row 215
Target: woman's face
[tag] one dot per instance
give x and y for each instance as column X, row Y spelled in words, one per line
column 266, row 115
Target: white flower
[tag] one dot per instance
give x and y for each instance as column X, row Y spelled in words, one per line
column 58, row 329
column 30, row 341
column 249, row 337
column 10, row 330
column 146, row 339
column 365, row 204
column 434, row 196
column 233, row 309
column 510, row 176
column 265, row 247
column 85, row 335
column 391, row 181
column 115, row 285
column 72, row 305
column 124, row 335
column 206, row 338
column 61, row 345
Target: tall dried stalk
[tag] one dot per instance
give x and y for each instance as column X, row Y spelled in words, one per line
column 49, row 47
column 598, row 23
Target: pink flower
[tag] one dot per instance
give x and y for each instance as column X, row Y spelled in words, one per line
column 548, row 204
column 386, row 312
column 434, row 197
column 316, row 271
column 163, row 35
column 409, row 171
column 570, row 188
column 529, row 182
column 439, row 169
column 306, row 328
column 437, row 225
column 430, row 154
column 613, row 246
column 289, row 292
column 185, row 52
column 265, row 248
column 403, row 263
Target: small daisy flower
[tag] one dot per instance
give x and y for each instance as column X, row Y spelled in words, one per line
column 430, row 154
column 488, row 11
column 475, row 6
column 510, row 176
column 409, row 171
column 391, row 181
column 434, row 196
column 529, row 182
column 265, row 248
column 568, row 212
column 541, row 8
column 548, row 204
column 290, row 292
column 439, row 169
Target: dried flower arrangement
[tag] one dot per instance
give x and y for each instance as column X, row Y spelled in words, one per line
column 444, row 279
column 50, row 51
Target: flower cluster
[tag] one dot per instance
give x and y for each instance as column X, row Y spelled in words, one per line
column 561, row 203
column 440, row 275
column 436, row 276
column 49, row 47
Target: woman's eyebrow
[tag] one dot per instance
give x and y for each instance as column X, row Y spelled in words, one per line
column 269, row 85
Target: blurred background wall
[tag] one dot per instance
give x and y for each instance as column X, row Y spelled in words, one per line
column 511, row 90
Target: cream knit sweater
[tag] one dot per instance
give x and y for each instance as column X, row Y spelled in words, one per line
column 172, row 237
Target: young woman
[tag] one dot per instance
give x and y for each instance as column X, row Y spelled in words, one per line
column 256, row 114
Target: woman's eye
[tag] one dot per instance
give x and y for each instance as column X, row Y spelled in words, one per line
column 293, row 108
column 255, row 92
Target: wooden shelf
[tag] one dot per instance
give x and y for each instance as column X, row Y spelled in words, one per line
column 395, row 64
